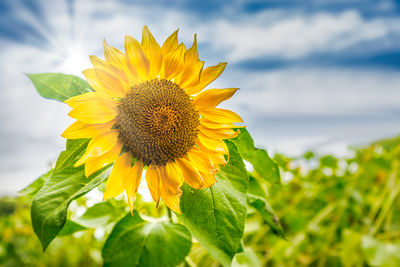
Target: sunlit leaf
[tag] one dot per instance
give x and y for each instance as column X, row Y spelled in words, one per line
column 247, row 258
column 74, row 149
column 102, row 214
column 216, row 215
column 262, row 163
column 135, row 242
column 59, row 86
column 71, row 227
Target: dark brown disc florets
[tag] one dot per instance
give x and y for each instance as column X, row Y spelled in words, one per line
column 157, row 121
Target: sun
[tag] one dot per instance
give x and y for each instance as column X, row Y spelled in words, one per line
column 75, row 59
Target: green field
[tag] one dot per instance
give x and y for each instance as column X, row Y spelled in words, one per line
column 328, row 212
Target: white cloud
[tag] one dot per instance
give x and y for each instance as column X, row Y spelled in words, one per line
column 293, row 36
column 274, row 33
column 324, row 92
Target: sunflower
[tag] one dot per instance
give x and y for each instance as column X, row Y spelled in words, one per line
column 148, row 111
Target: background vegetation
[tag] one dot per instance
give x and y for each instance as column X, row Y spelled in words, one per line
column 332, row 212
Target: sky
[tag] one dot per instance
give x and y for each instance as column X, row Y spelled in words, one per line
column 313, row 75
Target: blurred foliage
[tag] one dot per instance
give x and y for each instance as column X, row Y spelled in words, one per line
column 332, row 212
column 20, row 247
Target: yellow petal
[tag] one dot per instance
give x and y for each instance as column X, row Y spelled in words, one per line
column 170, row 185
column 114, row 56
column 216, row 157
column 200, row 161
column 90, row 97
column 216, row 125
column 171, row 43
column 136, row 59
column 223, row 133
column 119, row 72
column 191, row 74
column 116, row 60
column 175, row 175
column 132, row 182
column 192, row 54
column 209, row 179
column 212, row 143
column 94, row 164
column 99, row 145
column 173, row 63
column 206, row 77
column 116, row 182
column 191, row 176
column 172, row 199
column 98, row 63
column 192, row 68
column 153, row 182
column 209, row 99
column 221, row 115
column 105, row 83
column 153, row 51
column 80, row 129
column 94, row 112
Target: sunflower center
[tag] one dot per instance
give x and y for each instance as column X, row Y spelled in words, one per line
column 157, row 121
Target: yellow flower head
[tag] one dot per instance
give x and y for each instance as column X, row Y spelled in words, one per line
column 148, row 108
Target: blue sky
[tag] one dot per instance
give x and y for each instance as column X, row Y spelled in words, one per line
column 313, row 74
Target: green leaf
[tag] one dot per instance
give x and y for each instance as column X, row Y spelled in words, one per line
column 255, row 188
column 35, row 186
column 59, row 86
column 267, row 213
column 257, row 198
column 265, row 167
column 66, row 183
column 216, row 215
column 241, row 247
column 102, row 214
column 135, row 242
column 50, row 204
column 71, row 227
column 247, row 258
column 74, row 149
